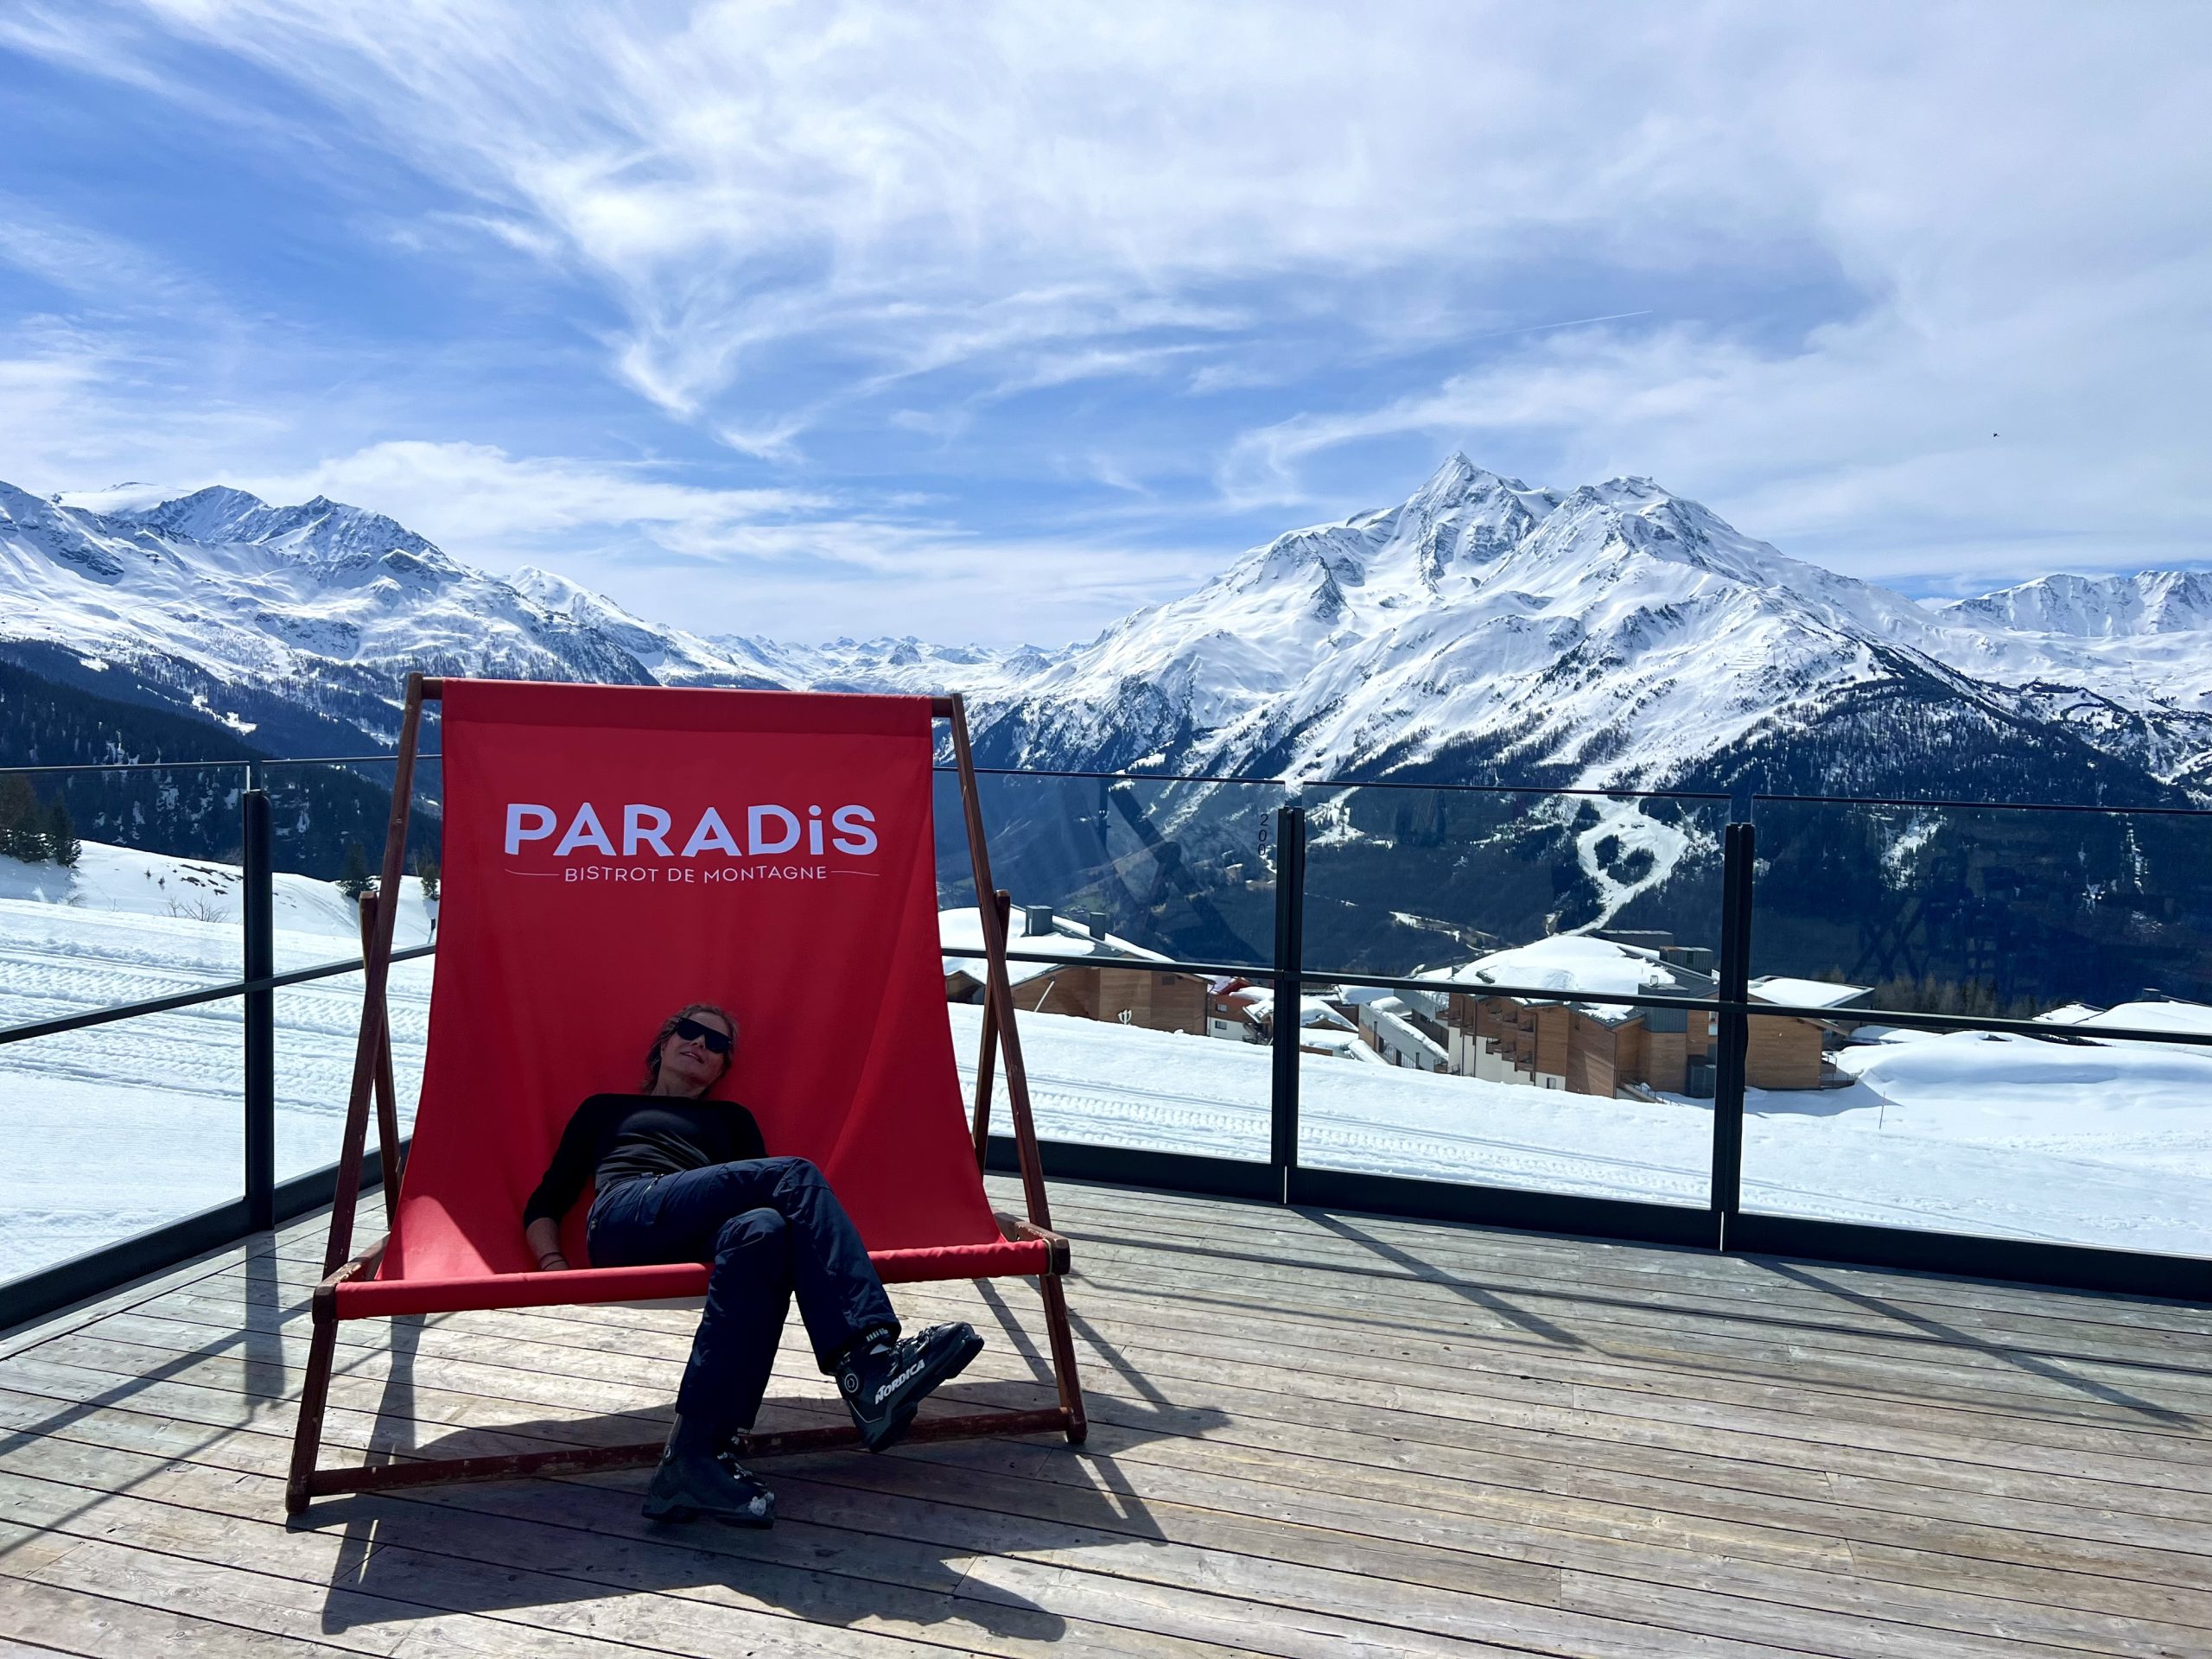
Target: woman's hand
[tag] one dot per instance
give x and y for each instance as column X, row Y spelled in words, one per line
column 543, row 1237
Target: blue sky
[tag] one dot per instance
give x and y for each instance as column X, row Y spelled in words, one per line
column 991, row 323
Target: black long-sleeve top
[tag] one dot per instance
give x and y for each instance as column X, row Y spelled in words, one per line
column 615, row 1137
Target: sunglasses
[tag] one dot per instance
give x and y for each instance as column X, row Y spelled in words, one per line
column 717, row 1042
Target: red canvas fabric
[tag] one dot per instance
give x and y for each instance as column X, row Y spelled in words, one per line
column 564, row 938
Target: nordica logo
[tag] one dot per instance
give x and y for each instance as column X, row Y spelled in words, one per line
column 769, row 831
column 898, row 1381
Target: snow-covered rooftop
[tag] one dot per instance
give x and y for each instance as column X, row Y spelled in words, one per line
column 1569, row 963
column 962, row 932
column 2163, row 1014
column 1804, row 993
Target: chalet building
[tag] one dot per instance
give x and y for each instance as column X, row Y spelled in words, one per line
column 1404, row 1027
column 1792, row 1053
column 1242, row 1012
column 1561, row 1042
column 1101, row 978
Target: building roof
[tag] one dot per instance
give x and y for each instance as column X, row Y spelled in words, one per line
column 1391, row 1024
column 2166, row 1014
column 962, row 932
column 1346, row 1044
column 1569, row 963
column 1805, row 993
column 1312, row 1010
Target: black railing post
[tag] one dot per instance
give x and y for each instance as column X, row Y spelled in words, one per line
column 1738, row 848
column 1290, row 991
column 259, row 907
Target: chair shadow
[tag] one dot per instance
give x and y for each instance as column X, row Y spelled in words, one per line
column 495, row 1548
column 858, row 1538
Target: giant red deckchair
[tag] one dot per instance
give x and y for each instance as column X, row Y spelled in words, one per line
column 611, row 852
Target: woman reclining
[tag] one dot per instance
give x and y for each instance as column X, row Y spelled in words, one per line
column 682, row 1178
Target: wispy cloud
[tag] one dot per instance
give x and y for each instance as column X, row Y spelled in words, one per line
column 1137, row 283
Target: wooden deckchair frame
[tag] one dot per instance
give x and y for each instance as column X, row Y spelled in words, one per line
column 373, row 1080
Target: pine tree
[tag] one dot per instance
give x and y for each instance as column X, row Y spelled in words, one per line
column 22, row 826
column 61, row 843
column 353, row 879
column 426, row 871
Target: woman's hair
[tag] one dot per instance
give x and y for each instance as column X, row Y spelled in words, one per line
column 688, row 1011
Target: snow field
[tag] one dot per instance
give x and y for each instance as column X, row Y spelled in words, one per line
column 2112, row 1150
column 108, row 1131
column 114, row 1129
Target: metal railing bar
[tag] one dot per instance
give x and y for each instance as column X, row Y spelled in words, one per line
column 1345, row 782
column 179, row 766
column 335, row 760
column 1855, row 1015
column 135, row 765
column 1987, row 806
column 193, row 999
column 1115, row 959
column 1944, row 803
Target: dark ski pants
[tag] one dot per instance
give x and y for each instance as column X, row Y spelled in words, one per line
column 770, row 1228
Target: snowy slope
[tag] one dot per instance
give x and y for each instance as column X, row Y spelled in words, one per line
column 116, row 1128
column 2046, row 1148
column 110, row 1131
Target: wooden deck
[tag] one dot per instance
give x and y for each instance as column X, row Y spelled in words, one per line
column 1314, row 1435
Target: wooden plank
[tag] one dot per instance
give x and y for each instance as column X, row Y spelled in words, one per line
column 1443, row 1391
column 1330, row 1434
column 1906, row 1382
column 2174, row 1400
column 1757, row 1286
column 434, row 1549
column 1631, row 1391
column 62, row 1618
column 768, row 1558
column 1102, row 1214
column 1692, row 1451
column 1708, row 1503
column 1610, row 1514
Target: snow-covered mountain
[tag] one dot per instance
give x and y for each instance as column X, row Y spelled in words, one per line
column 1610, row 636
column 296, row 625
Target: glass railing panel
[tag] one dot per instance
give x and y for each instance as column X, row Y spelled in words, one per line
column 116, row 1129
column 116, row 886
column 317, row 1026
column 1178, row 869
column 1494, row 1071
column 328, row 821
column 2081, row 924
column 2075, row 1140
column 1108, row 875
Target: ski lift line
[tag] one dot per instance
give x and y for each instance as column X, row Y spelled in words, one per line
column 194, row 999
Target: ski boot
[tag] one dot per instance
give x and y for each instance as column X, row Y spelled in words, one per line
column 699, row 1475
column 884, row 1381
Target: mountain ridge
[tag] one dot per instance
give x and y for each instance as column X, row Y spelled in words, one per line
column 1610, row 635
